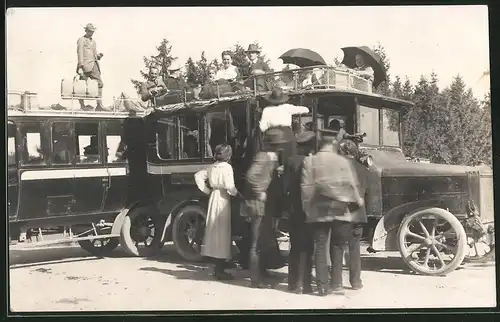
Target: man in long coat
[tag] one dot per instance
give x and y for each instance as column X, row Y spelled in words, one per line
column 329, row 194
column 88, row 61
column 264, row 246
column 302, row 244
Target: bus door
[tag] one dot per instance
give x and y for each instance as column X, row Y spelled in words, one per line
column 13, row 171
column 115, row 197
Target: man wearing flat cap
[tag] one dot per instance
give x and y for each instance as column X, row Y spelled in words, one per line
column 88, row 61
column 302, row 245
column 329, row 193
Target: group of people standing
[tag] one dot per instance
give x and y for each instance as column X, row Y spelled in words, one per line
column 322, row 192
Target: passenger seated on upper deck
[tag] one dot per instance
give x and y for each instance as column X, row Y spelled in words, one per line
column 228, row 72
column 285, row 79
column 362, row 69
column 257, row 66
column 154, row 86
column 209, row 89
column 174, row 81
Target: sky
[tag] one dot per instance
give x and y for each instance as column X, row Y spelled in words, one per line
column 41, row 42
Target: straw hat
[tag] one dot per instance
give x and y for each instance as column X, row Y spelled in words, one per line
column 90, row 27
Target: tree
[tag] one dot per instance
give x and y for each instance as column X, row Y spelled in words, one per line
column 163, row 59
column 384, row 87
column 197, row 72
column 397, row 90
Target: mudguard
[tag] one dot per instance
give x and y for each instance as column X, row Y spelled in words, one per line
column 385, row 234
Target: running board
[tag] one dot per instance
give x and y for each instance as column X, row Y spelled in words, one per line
column 63, row 241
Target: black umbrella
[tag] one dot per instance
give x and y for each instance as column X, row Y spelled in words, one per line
column 371, row 59
column 302, row 57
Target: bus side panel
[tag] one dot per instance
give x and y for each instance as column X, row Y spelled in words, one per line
column 46, row 193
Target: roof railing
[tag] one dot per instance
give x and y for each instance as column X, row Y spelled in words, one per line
column 308, row 79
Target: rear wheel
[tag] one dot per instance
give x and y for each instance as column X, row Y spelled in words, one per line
column 432, row 241
column 187, row 232
column 140, row 234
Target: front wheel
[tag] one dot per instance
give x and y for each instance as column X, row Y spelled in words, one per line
column 140, row 234
column 96, row 247
column 187, row 232
column 432, row 241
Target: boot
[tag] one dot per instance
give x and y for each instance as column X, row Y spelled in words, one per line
column 99, row 106
column 219, row 272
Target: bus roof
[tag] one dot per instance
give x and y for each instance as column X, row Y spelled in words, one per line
column 72, row 114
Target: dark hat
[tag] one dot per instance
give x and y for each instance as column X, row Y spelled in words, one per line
column 274, row 136
column 253, row 48
column 277, row 96
column 328, row 133
column 90, row 27
column 223, row 152
column 336, row 124
column 305, row 137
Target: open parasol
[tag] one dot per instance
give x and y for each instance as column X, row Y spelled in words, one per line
column 302, row 57
column 371, row 59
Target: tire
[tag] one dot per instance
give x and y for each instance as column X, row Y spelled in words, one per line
column 128, row 233
column 450, row 222
column 99, row 251
column 181, row 243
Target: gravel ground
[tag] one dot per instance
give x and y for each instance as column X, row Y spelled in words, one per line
column 66, row 278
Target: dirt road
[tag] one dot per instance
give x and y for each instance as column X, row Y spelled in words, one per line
column 68, row 279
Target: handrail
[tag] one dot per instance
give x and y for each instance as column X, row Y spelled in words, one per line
column 301, row 79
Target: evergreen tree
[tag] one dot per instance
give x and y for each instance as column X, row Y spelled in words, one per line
column 384, row 87
column 397, row 90
column 163, row 59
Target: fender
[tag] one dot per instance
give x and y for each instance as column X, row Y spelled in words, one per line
column 170, row 217
column 385, row 234
column 117, row 224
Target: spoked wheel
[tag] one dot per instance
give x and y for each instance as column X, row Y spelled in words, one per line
column 432, row 241
column 481, row 247
column 97, row 247
column 141, row 232
column 188, row 231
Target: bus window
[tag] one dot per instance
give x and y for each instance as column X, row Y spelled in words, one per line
column 32, row 152
column 62, row 142
column 189, row 142
column 216, row 131
column 115, row 145
column 166, row 138
column 87, row 142
column 390, row 128
column 369, row 124
column 11, row 145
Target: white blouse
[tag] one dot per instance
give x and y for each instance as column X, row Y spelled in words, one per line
column 227, row 74
column 219, row 176
column 280, row 115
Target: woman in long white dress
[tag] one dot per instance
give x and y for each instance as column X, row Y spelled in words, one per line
column 218, row 181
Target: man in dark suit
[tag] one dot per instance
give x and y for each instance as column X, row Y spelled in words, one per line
column 257, row 66
column 330, row 193
column 302, row 244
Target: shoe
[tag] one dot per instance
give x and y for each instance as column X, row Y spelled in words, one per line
column 324, row 291
column 356, row 287
column 307, row 290
column 339, row 290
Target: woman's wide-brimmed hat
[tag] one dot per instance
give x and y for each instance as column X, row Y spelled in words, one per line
column 277, row 96
column 274, row 136
column 253, row 48
column 223, row 153
column 90, row 27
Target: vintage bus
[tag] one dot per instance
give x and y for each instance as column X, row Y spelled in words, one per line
column 435, row 215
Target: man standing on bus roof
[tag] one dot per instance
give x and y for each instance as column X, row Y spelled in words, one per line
column 88, row 65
